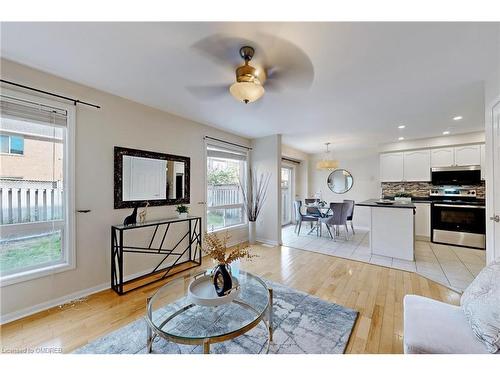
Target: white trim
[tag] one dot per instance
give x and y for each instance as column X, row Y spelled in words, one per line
column 492, row 191
column 69, row 236
column 15, row 315
column 267, row 241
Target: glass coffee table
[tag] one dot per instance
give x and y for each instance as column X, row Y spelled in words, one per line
column 172, row 316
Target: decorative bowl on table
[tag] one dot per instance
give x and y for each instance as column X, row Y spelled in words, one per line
column 201, row 291
column 385, row 202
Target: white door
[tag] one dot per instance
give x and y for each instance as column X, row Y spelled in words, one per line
column 391, row 167
column 442, row 157
column 468, row 155
column 417, row 165
column 286, row 195
column 493, row 191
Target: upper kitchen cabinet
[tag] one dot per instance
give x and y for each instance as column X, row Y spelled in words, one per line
column 443, row 157
column 417, row 165
column 456, row 156
column 483, row 162
column 391, row 167
column 468, row 155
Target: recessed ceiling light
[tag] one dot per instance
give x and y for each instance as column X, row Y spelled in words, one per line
column 401, row 126
column 401, row 138
column 456, row 118
column 446, row 132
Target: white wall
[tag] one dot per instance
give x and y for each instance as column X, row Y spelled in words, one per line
column 364, row 167
column 266, row 158
column 119, row 122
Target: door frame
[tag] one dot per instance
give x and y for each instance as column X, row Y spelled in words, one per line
column 492, row 185
column 292, row 191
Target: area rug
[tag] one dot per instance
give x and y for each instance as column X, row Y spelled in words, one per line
column 303, row 324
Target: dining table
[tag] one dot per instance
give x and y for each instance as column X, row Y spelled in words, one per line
column 323, row 211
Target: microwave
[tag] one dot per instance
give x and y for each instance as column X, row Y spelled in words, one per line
column 466, row 175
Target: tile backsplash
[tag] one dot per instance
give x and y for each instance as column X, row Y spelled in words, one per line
column 421, row 189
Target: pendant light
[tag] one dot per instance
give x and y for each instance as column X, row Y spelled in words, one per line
column 327, row 163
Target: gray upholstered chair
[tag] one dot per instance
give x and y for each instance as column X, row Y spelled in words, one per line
column 337, row 219
column 312, row 211
column 350, row 211
column 300, row 217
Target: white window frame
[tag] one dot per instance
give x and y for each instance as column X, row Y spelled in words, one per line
column 69, row 250
column 214, row 143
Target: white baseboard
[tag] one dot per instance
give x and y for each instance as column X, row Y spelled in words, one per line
column 15, row 315
column 267, row 241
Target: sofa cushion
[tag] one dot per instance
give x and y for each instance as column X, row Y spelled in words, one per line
column 435, row 327
column 481, row 305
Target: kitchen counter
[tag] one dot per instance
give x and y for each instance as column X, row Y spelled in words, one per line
column 372, row 203
column 392, row 229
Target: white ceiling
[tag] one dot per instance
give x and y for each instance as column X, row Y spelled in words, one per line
column 368, row 77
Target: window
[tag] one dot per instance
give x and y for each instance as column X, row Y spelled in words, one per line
column 36, row 212
column 226, row 169
column 12, row 144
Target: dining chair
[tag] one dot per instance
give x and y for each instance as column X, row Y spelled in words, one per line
column 336, row 219
column 313, row 211
column 350, row 212
column 300, row 217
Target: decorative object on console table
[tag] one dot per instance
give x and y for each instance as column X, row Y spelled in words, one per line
column 132, row 218
column 402, row 197
column 254, row 199
column 143, row 213
column 182, row 210
column 217, row 249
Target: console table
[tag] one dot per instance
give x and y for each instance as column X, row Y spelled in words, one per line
column 189, row 255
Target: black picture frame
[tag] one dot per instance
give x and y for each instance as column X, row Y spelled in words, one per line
column 119, row 152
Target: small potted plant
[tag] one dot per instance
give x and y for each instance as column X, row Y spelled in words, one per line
column 217, row 249
column 402, row 197
column 182, row 210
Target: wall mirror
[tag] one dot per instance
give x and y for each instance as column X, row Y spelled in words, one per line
column 340, row 181
column 146, row 176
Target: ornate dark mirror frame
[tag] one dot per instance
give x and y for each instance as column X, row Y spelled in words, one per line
column 121, row 151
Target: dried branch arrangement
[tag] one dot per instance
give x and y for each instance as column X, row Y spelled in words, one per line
column 255, row 196
column 216, row 249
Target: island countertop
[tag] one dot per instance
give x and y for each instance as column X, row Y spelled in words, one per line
column 372, row 203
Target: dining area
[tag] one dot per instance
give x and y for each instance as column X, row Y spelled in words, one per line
column 336, row 218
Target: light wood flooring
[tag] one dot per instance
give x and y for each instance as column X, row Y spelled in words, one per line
column 376, row 292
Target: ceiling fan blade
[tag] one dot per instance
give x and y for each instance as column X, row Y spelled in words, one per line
column 208, row 92
column 224, row 49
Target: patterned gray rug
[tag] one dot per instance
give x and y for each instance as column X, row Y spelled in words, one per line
column 303, row 324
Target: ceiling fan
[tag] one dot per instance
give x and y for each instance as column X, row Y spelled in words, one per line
column 281, row 67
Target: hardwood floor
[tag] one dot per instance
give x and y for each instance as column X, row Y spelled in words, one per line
column 376, row 292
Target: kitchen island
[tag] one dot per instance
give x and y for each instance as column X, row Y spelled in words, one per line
column 392, row 229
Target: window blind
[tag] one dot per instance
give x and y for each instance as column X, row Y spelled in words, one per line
column 225, row 153
column 23, row 110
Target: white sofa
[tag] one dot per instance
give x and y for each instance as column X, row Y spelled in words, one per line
column 433, row 327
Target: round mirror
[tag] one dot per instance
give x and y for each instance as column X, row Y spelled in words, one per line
column 340, row 181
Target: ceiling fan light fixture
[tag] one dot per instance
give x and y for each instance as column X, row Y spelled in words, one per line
column 247, row 92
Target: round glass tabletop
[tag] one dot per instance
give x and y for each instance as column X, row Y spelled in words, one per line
column 172, row 315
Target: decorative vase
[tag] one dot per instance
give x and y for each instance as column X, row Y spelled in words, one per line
column 183, row 215
column 251, row 233
column 222, row 280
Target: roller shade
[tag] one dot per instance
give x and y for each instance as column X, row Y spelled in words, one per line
column 22, row 110
column 225, row 153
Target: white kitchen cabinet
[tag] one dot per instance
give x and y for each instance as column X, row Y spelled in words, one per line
column 423, row 220
column 483, row 162
column 442, row 157
column 417, row 165
column 468, row 155
column 391, row 167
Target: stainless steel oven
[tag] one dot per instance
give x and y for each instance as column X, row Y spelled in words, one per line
column 459, row 223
